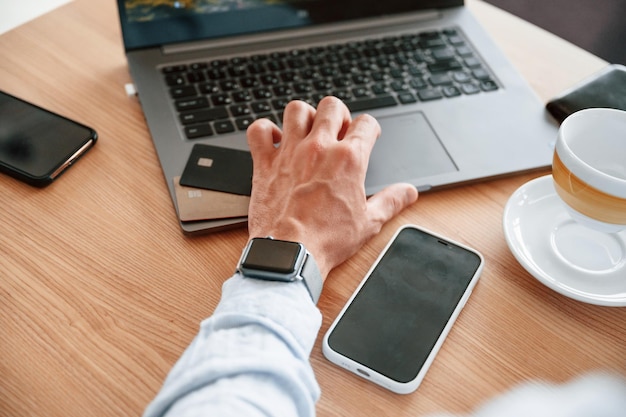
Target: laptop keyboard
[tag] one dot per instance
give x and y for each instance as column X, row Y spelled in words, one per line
column 226, row 95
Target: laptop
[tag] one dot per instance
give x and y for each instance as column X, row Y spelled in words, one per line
column 452, row 109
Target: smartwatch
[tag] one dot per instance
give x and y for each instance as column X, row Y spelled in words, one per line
column 280, row 260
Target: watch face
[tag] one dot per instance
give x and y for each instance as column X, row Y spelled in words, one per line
column 270, row 255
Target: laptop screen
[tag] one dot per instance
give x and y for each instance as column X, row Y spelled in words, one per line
column 149, row 23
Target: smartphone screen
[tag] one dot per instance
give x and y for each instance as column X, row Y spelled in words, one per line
column 400, row 311
column 35, row 144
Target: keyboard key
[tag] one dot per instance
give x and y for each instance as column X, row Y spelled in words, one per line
column 333, row 58
column 396, row 73
column 342, row 82
column 207, row 115
column 261, row 107
column 238, row 60
column 243, row 122
column 464, row 51
column 175, row 79
column 456, row 40
column 229, row 85
column 195, row 77
column 416, row 71
column 432, row 43
column 198, row 131
column 322, row 85
column 450, row 91
column 302, row 88
column 469, row 88
column 418, row 83
column 440, row 79
column 472, row 62
column 296, row 63
column 269, row 79
column 249, row 82
column 406, row 98
column 379, row 89
column 261, row 93
column 239, row 110
column 366, row 66
column 221, row 99
column 183, row 91
column 429, row 94
column 218, row 63
column 198, row 66
column 371, row 103
column 224, row 126
column 275, row 66
column 288, row 76
column 209, row 88
column 443, row 54
column 441, row 66
column 488, row 85
column 280, row 103
column 192, row 103
column 329, row 71
column 174, row 68
column 237, row 71
column 256, row 68
column 360, row 79
column 216, row 73
column 282, row 90
column 461, row 77
column 241, row 96
column 315, row 60
column 480, row 74
column 360, row 92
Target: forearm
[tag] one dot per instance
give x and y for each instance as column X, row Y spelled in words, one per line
column 249, row 358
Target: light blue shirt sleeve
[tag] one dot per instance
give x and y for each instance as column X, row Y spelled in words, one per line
column 250, row 358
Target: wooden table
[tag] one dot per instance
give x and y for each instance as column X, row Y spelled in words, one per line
column 100, row 291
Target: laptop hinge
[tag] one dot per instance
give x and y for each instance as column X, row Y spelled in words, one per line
column 303, row 32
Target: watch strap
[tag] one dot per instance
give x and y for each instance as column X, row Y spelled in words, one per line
column 312, row 277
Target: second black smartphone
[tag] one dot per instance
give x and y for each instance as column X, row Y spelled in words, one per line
column 36, row 145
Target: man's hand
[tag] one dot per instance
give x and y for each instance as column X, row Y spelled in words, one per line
column 310, row 188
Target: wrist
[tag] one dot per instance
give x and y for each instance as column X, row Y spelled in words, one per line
column 285, row 261
column 290, row 231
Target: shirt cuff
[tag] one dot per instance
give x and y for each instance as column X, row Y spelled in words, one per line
column 287, row 304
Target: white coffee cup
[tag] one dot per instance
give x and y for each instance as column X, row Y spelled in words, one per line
column 589, row 168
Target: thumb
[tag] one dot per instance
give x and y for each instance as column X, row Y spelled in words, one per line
column 389, row 202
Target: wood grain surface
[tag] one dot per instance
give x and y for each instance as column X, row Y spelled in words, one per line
column 100, row 292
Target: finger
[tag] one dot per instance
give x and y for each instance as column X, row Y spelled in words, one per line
column 262, row 135
column 388, row 203
column 331, row 120
column 363, row 131
column 297, row 120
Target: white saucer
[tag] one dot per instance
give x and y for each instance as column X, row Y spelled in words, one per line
column 575, row 261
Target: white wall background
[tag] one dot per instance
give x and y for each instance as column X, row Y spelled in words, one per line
column 16, row 12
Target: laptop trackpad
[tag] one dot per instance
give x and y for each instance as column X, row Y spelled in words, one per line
column 407, row 149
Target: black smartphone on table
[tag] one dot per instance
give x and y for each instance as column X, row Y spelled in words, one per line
column 397, row 319
column 605, row 89
column 37, row 145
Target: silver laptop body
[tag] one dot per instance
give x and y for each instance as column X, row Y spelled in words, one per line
column 429, row 143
